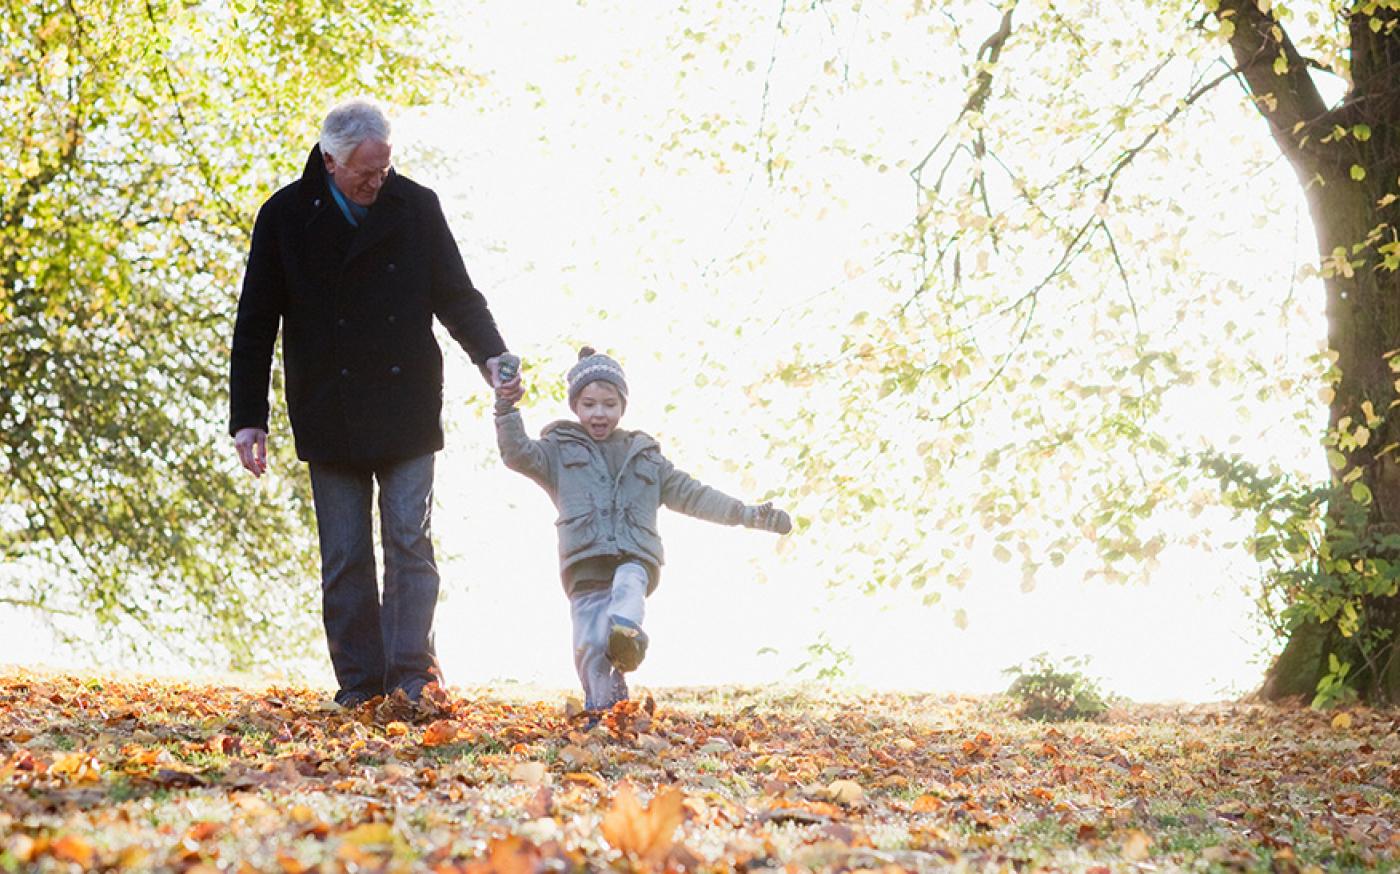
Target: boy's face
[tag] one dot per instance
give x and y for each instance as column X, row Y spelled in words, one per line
column 599, row 408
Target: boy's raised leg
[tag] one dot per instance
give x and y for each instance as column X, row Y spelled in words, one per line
column 627, row 642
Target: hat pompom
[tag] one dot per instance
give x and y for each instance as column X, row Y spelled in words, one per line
column 586, row 351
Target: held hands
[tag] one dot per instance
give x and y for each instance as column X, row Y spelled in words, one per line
column 766, row 517
column 251, row 444
column 504, row 370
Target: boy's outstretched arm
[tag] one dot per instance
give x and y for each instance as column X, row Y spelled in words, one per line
column 685, row 494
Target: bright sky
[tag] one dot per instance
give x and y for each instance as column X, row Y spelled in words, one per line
column 570, row 222
column 579, row 229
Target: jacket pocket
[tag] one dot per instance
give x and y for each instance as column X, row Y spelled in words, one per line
column 578, row 530
column 644, row 534
column 573, row 455
column 647, row 469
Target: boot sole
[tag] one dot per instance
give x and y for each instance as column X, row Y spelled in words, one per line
column 626, row 647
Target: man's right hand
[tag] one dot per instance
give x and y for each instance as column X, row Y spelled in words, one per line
column 511, row 390
column 251, row 444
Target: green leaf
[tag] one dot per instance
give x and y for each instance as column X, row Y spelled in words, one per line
column 1336, row 459
column 128, row 245
column 1358, row 172
column 1360, row 493
column 1361, row 131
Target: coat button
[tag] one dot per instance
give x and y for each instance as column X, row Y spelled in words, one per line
column 344, row 371
column 340, row 322
column 316, row 202
column 391, row 268
column 392, row 319
column 395, row 370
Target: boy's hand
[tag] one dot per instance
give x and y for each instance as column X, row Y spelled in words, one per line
column 503, row 374
column 505, row 403
column 504, row 371
column 767, row 517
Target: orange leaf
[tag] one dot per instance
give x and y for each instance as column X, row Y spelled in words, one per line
column 301, row 814
column 586, row 778
column 509, row 855
column 646, row 833
column 444, row 731
column 77, row 767
column 71, row 848
column 132, row 857
column 201, row 831
column 369, row 834
column 927, row 803
column 291, row 864
column 143, row 757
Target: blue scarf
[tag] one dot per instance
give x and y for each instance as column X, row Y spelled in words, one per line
column 353, row 212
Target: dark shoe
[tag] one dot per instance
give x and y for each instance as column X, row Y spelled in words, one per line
column 351, row 699
column 627, row 644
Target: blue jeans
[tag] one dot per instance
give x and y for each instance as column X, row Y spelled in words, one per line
column 604, row 685
column 377, row 645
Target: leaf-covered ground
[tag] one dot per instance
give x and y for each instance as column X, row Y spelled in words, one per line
column 104, row 774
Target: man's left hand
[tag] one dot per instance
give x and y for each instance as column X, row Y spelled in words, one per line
column 511, row 390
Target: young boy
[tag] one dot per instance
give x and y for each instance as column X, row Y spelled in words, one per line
column 608, row 484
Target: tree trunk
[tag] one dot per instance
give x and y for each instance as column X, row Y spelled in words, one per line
column 1347, row 179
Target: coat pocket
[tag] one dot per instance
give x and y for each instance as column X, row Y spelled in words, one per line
column 573, row 455
column 647, row 469
column 578, row 530
column 642, row 527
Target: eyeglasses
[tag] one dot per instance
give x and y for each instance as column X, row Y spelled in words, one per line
column 365, row 174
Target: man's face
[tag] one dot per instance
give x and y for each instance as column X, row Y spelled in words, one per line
column 599, row 407
column 363, row 173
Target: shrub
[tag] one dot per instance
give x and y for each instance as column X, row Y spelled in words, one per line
column 1046, row 691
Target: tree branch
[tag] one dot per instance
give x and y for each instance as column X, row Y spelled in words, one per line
column 1288, row 100
column 32, row 604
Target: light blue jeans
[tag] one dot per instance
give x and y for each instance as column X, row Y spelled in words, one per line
column 604, row 685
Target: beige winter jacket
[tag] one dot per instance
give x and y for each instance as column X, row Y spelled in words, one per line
column 601, row 514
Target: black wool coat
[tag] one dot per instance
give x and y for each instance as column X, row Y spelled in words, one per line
column 356, row 308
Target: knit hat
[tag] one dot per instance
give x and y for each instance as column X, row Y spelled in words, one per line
column 593, row 366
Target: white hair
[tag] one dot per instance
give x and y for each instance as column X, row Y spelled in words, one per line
column 350, row 123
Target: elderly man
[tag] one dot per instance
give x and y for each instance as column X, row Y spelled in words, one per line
column 353, row 262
